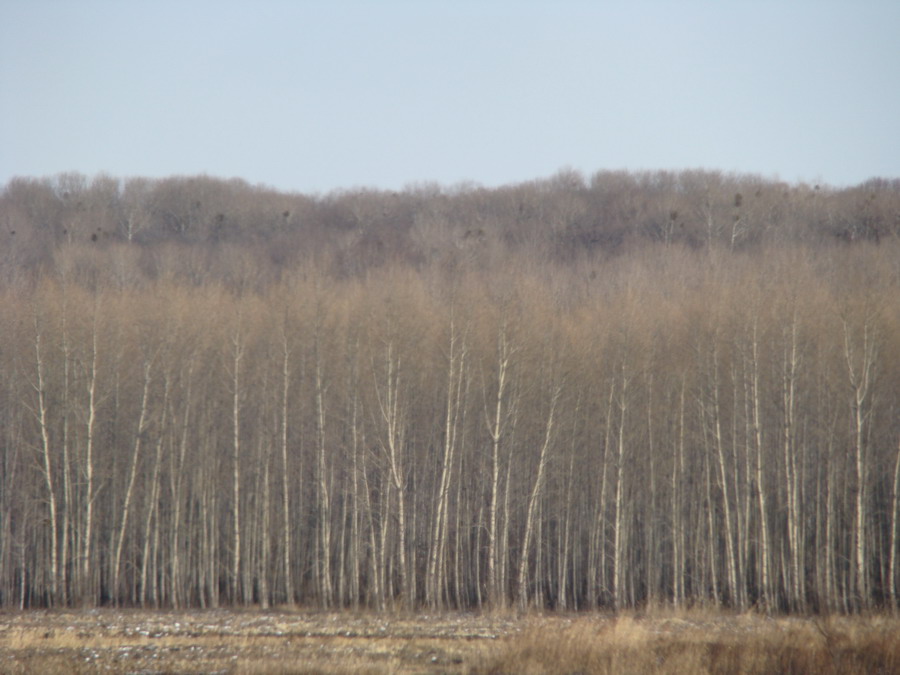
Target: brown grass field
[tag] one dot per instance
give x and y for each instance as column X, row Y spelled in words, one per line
column 257, row 642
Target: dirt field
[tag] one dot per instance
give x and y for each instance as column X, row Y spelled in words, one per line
column 264, row 642
column 220, row 641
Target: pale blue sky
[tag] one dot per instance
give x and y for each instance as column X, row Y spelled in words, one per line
column 317, row 95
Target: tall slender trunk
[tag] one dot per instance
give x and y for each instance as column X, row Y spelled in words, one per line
column 766, row 595
column 326, row 591
column 536, row 491
column 496, row 595
column 733, row 592
column 789, row 383
column 115, row 591
column 618, row 586
column 285, row 475
column 47, row 465
column 237, row 355
column 711, row 535
column 355, row 523
column 376, row 568
column 563, row 545
column 860, row 360
column 600, row 577
column 434, row 580
column 895, row 531
column 678, row 544
column 740, row 489
column 176, row 473
column 72, row 475
column 503, row 561
column 392, row 444
column 86, row 553
column 265, row 535
column 153, row 506
column 651, row 561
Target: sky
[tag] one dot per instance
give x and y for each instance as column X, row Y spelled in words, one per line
column 319, row 95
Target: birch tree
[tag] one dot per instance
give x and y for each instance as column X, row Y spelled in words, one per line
column 536, row 493
column 860, row 354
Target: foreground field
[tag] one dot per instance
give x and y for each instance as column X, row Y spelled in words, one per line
column 281, row 642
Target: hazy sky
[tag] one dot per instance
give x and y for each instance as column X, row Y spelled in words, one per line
column 317, row 95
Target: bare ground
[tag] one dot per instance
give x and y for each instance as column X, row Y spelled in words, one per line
column 250, row 641
column 263, row 642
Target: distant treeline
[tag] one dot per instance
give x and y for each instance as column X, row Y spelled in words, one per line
column 240, row 234
column 640, row 388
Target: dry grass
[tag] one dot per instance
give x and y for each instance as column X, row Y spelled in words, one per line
column 290, row 642
column 701, row 642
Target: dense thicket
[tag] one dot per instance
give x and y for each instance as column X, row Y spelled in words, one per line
column 639, row 388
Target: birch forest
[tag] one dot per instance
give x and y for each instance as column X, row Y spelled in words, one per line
column 605, row 391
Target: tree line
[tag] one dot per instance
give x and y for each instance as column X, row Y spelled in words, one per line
column 199, row 229
column 445, row 411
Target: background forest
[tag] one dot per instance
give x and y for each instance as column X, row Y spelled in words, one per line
column 577, row 392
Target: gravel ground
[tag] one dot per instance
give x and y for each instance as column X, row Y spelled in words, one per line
column 250, row 641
